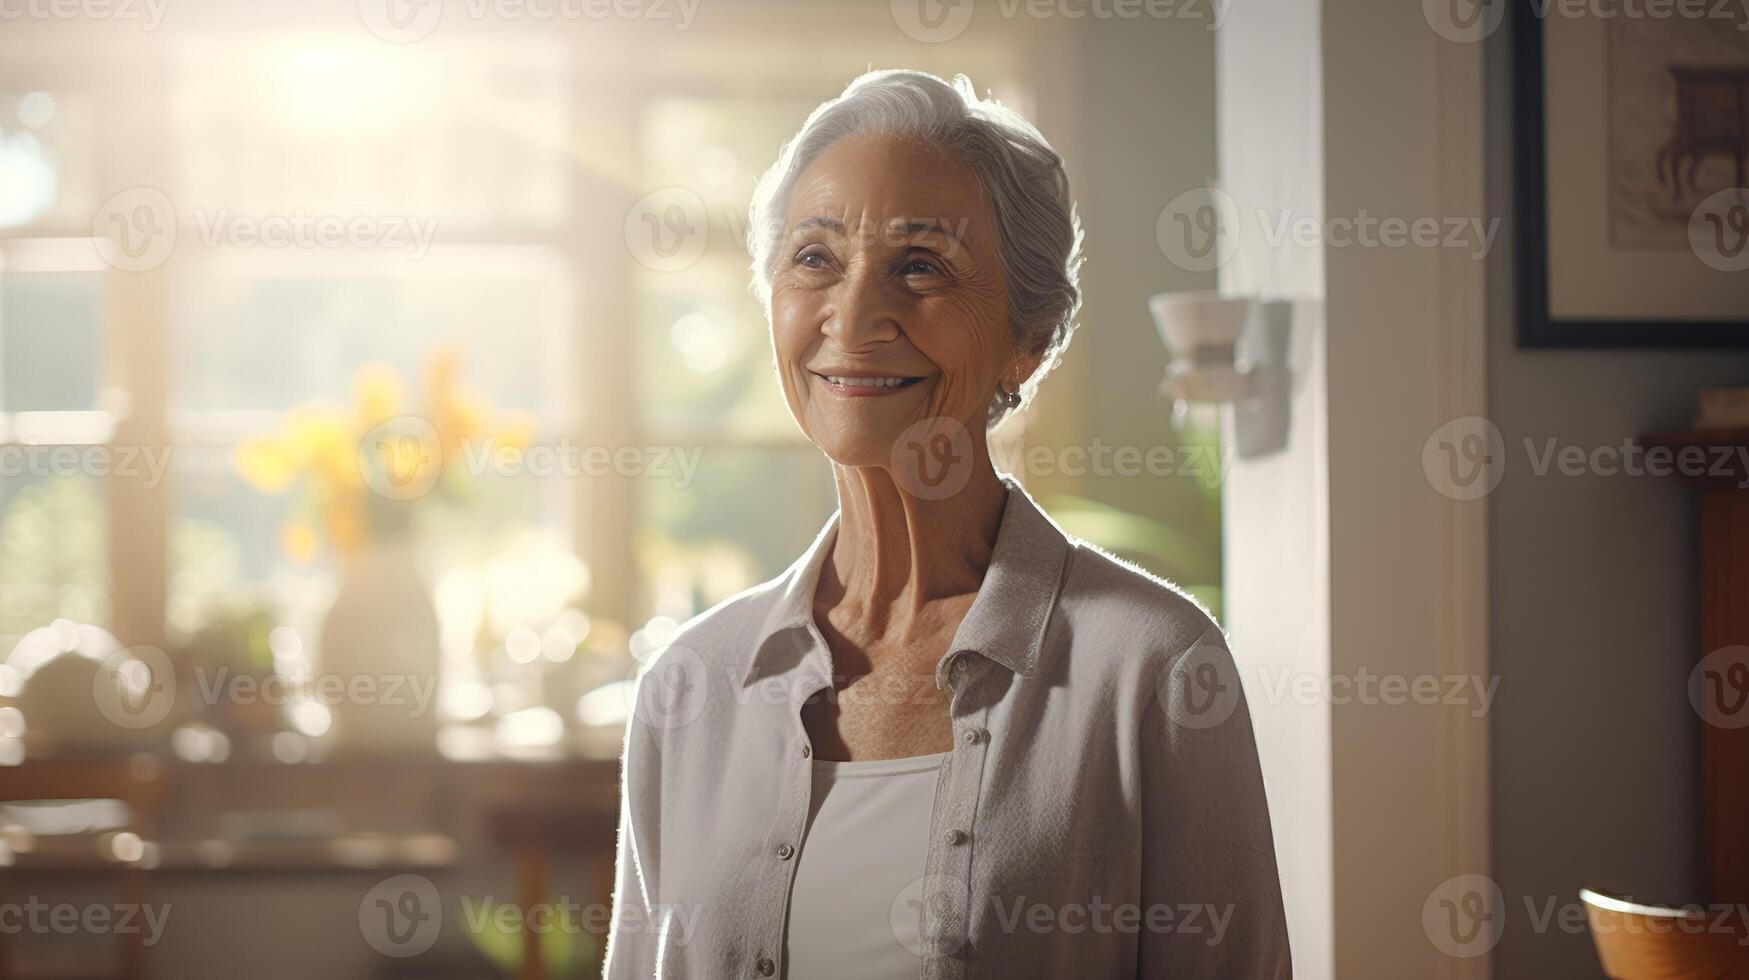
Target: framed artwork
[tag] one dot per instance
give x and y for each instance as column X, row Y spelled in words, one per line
column 1631, row 141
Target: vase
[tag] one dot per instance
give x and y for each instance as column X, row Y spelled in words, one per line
column 380, row 655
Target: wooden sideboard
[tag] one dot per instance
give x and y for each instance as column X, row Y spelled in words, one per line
column 1724, row 624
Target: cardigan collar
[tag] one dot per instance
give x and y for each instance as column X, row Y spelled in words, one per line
column 1007, row 619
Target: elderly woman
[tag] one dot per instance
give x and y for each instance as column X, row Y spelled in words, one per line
column 950, row 740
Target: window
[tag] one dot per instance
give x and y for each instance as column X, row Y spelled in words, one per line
column 312, row 229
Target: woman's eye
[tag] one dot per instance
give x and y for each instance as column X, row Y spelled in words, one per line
column 919, row 267
column 811, row 257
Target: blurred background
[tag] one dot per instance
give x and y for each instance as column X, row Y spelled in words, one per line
column 410, row 346
column 380, row 386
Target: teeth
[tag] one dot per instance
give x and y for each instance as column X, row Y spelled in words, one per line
column 865, row 382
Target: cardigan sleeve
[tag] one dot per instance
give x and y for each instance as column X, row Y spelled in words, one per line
column 1210, row 891
column 632, row 938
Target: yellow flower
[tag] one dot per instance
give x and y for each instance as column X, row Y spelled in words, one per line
column 267, row 463
column 376, row 390
column 299, row 540
column 516, row 430
column 327, row 444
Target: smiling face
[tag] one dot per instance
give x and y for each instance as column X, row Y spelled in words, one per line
column 887, row 298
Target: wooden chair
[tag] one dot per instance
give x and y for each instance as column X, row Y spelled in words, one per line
column 1649, row 942
column 136, row 781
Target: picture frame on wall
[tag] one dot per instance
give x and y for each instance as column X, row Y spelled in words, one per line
column 1631, row 144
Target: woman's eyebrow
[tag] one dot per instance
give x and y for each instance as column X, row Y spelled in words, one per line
column 830, row 224
column 924, row 226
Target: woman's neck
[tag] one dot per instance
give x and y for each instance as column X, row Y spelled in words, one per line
column 897, row 552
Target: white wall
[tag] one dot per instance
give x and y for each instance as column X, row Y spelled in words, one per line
column 1342, row 558
column 1276, row 519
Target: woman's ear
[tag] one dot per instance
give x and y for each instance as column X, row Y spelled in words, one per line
column 1023, row 369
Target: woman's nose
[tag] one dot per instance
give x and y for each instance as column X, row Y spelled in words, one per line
column 864, row 312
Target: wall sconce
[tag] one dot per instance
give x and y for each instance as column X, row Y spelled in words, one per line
column 1228, row 350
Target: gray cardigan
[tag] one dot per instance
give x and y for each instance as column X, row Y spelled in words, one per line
column 1102, row 813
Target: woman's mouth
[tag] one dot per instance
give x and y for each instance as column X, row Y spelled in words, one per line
column 861, row 386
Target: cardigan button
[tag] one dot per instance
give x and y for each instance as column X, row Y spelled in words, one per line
column 954, row 837
column 785, row 852
column 973, row 736
column 765, row 967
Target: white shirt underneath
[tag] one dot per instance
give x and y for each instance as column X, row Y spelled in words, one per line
column 854, row 903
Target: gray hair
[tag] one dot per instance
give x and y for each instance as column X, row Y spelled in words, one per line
column 1038, row 233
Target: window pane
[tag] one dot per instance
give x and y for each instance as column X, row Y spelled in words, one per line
column 269, row 334
column 704, row 354
column 46, row 157
column 746, row 515
column 52, row 559
column 718, row 148
column 475, row 135
column 50, row 325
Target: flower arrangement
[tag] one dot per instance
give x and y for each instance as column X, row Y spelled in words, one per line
column 364, row 469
